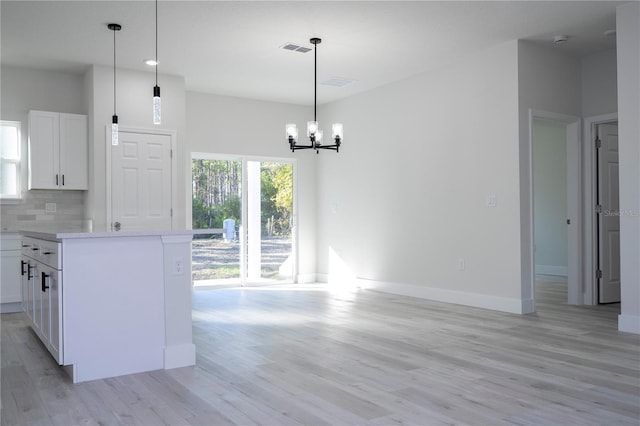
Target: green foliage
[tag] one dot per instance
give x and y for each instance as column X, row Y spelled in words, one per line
column 216, row 194
column 277, row 198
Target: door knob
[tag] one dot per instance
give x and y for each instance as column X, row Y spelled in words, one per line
column 116, row 226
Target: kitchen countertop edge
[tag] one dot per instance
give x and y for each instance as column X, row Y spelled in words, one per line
column 59, row 236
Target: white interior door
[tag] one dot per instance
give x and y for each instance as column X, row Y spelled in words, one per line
column 141, row 182
column 608, row 217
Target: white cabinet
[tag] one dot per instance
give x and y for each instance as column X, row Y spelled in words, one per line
column 58, row 151
column 42, row 281
column 50, row 281
column 27, row 287
column 10, row 280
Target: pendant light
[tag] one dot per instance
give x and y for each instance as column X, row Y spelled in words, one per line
column 157, row 118
column 114, row 118
column 313, row 132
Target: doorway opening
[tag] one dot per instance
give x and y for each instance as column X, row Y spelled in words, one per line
column 551, row 235
column 251, row 203
column 556, row 215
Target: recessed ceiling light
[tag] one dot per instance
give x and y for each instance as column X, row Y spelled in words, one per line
column 151, row 62
column 559, row 39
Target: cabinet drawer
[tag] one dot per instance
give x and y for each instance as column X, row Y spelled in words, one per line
column 50, row 254
column 30, row 247
column 47, row 252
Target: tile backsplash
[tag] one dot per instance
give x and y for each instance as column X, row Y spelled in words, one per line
column 31, row 212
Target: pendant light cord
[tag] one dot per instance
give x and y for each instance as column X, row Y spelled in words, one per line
column 156, row 42
column 315, row 80
column 114, row 72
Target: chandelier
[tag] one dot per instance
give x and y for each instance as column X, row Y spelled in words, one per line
column 313, row 132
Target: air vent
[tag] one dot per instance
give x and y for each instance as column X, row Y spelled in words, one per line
column 295, row 48
column 337, row 82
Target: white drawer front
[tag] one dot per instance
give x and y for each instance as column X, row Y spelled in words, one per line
column 50, row 254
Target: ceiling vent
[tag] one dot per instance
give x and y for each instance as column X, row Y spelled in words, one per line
column 337, row 82
column 295, row 48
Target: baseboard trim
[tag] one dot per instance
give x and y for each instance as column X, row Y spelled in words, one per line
column 306, row 278
column 561, row 271
column 629, row 323
column 322, row 278
column 496, row 303
column 8, row 308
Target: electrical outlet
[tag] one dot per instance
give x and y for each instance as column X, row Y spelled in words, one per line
column 50, row 207
column 178, row 266
column 461, row 264
column 491, row 201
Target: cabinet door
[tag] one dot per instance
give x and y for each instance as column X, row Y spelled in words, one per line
column 28, row 282
column 54, row 282
column 44, row 155
column 37, row 298
column 45, row 277
column 10, row 288
column 24, row 265
column 73, row 152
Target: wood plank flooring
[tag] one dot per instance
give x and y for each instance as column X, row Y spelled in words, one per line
column 288, row 355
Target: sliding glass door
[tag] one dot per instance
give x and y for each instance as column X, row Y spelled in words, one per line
column 252, row 202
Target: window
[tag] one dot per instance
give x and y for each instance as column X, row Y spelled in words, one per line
column 10, row 160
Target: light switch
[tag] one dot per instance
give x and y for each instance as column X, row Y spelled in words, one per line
column 491, row 201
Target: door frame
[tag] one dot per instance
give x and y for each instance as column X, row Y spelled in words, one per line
column 590, row 219
column 243, row 235
column 174, row 171
column 575, row 292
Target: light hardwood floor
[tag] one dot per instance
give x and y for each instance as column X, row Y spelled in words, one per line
column 291, row 356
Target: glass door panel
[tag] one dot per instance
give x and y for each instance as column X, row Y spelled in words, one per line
column 217, row 203
column 230, row 193
column 269, row 222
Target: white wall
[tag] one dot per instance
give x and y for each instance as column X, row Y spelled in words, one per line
column 628, row 43
column 599, row 84
column 234, row 126
column 25, row 89
column 550, row 196
column 548, row 81
column 405, row 198
column 134, row 93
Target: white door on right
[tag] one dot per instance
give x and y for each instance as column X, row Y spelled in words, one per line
column 609, row 215
column 141, row 182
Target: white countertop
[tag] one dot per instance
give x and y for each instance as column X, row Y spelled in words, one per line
column 76, row 234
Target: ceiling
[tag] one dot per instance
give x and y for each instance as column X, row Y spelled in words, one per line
column 233, row 47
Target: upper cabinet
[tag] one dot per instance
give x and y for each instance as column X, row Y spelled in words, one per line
column 58, row 146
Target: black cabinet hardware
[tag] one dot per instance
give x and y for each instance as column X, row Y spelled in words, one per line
column 44, row 282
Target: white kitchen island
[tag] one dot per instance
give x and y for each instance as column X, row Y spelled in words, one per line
column 121, row 301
